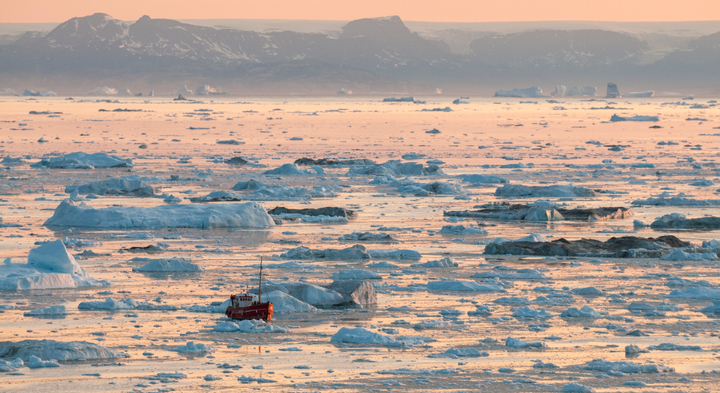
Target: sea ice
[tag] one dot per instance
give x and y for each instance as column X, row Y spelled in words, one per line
column 249, row 215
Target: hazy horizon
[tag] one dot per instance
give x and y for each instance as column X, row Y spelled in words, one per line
column 464, row 11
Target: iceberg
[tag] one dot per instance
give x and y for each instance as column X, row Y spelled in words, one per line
column 30, row 93
column 616, row 118
column 521, row 93
column 128, row 186
column 649, row 93
column 612, row 91
column 394, row 168
column 183, row 91
column 80, row 160
column 49, row 266
column 518, row 190
column 102, row 91
column 232, row 215
column 574, row 91
column 174, row 264
column 57, row 350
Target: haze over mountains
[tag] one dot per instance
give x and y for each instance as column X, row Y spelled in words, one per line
column 366, row 55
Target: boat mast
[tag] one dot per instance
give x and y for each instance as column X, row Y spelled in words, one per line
column 260, row 288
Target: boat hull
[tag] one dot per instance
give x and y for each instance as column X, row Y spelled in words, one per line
column 262, row 311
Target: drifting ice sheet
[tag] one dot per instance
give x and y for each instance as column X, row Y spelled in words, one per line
column 232, row 215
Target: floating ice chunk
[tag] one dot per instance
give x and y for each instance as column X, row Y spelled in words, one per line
column 516, row 343
column 531, row 92
column 676, row 201
column 216, row 307
column 36, row 362
column 480, row 311
column 128, row 186
column 587, row 291
column 529, row 313
column 49, row 266
column 518, row 190
column 382, row 265
column 395, row 254
column 248, row 326
column 574, row 91
column 626, row 367
column 462, row 286
column 395, row 168
column 407, row 371
column 245, row 380
column 520, row 274
column 679, row 221
column 702, row 293
column 50, row 311
column 192, row 347
column 445, row 262
column 351, row 253
column 482, row 179
column 355, row 274
column 57, row 350
column 616, row 118
column 109, row 304
column 102, row 91
column 533, row 238
column 584, row 312
column 80, row 160
column 542, row 365
column 680, row 255
column 367, row 237
column 576, row 387
column 288, row 169
column 174, row 264
column 354, row 292
column 250, row 215
column 674, row 347
column 308, row 293
column 455, row 353
column 648, row 93
column 361, row 336
column 282, row 302
column 462, row 230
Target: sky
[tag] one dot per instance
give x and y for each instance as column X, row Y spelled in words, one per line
column 50, row 11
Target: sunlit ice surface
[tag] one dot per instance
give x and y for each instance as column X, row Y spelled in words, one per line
column 422, row 333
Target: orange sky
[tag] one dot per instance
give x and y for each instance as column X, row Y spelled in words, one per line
column 40, row 11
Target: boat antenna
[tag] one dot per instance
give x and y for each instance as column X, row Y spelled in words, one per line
column 260, row 288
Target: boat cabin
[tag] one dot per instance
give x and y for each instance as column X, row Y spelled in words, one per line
column 242, row 300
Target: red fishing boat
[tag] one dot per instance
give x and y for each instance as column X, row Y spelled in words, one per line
column 243, row 306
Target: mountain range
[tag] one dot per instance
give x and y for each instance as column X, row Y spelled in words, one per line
column 374, row 54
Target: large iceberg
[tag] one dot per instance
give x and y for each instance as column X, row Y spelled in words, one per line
column 80, row 160
column 129, row 186
column 574, row 91
column 49, row 266
column 31, row 93
column 612, row 91
column 519, row 190
column 231, row 215
column 649, row 93
column 616, row 118
column 102, row 91
column 395, row 168
column 521, row 93
column 183, row 90
column 57, row 350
